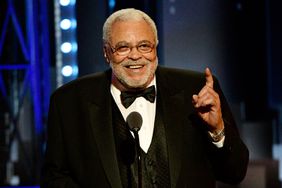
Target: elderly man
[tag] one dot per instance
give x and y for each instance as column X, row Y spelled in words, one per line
column 188, row 137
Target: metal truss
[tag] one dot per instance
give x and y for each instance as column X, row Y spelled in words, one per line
column 24, row 77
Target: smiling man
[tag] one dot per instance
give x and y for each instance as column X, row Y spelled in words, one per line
column 188, row 137
column 130, row 49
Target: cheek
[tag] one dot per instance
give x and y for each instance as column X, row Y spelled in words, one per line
column 117, row 59
column 111, row 58
column 152, row 56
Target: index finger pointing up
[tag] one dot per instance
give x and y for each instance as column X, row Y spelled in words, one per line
column 209, row 79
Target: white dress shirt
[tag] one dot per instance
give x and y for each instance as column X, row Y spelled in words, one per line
column 148, row 112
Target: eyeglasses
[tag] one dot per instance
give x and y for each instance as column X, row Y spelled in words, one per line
column 123, row 49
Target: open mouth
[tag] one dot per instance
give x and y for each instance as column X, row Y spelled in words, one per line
column 135, row 66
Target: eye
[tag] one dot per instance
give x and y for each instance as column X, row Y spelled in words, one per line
column 145, row 47
column 123, row 48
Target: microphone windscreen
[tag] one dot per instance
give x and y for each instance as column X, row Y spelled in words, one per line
column 134, row 121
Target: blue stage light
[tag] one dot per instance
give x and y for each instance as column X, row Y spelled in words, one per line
column 112, row 4
column 65, row 2
column 66, row 41
column 69, row 70
column 65, row 24
column 66, row 47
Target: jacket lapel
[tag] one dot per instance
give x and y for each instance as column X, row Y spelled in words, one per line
column 100, row 114
column 173, row 126
column 175, row 117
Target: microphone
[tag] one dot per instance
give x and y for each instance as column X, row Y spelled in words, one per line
column 134, row 122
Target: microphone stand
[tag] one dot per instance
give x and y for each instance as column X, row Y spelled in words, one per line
column 134, row 122
column 139, row 166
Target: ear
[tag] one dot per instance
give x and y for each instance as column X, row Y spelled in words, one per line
column 105, row 50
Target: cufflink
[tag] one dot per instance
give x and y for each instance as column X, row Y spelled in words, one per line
column 216, row 137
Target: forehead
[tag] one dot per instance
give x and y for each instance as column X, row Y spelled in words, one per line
column 131, row 31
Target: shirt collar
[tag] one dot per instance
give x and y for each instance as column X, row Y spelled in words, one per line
column 116, row 92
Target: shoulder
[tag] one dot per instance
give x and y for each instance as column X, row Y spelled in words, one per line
column 179, row 76
column 178, row 71
column 85, row 85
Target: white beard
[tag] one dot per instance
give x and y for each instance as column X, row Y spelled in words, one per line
column 120, row 74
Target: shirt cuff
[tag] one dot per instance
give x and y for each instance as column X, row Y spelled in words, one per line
column 220, row 143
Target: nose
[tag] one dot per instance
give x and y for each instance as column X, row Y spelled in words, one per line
column 134, row 54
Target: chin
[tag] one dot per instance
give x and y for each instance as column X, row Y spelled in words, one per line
column 135, row 84
column 138, row 82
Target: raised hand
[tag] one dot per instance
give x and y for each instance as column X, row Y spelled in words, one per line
column 207, row 104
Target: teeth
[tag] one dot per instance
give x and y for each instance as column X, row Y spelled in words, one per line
column 135, row 66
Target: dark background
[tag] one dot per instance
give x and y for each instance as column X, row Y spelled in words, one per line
column 240, row 40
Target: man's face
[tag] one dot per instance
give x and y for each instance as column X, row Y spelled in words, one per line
column 132, row 54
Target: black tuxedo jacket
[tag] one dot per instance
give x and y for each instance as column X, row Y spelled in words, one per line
column 81, row 150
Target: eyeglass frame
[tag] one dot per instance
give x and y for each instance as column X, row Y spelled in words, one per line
column 130, row 47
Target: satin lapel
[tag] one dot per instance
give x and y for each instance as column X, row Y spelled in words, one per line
column 101, row 123
column 175, row 114
column 173, row 126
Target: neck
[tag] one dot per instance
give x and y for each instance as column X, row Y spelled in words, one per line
column 123, row 87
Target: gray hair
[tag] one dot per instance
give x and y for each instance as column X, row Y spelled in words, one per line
column 128, row 14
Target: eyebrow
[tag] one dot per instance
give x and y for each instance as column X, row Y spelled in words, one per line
column 124, row 43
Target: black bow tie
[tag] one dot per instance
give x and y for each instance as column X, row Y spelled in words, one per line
column 128, row 97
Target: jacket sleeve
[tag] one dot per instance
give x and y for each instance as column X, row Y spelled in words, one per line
column 55, row 171
column 231, row 161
